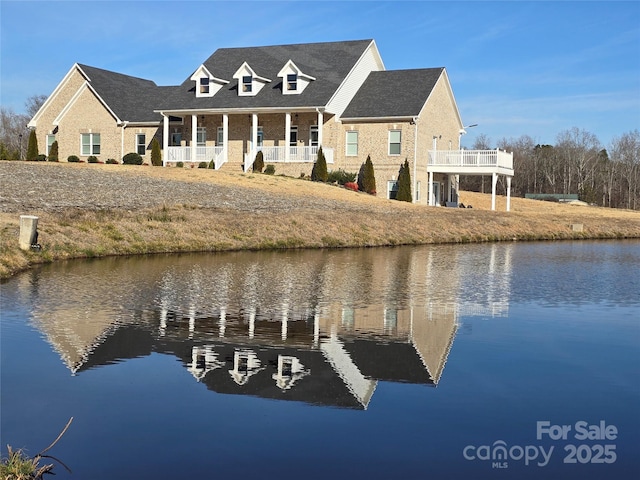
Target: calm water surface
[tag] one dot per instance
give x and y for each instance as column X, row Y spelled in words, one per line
column 476, row 361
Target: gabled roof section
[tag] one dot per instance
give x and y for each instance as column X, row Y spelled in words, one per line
column 393, row 94
column 131, row 99
column 329, row 63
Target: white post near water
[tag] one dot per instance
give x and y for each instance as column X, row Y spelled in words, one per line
column 28, row 231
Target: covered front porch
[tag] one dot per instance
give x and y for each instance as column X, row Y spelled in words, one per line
column 236, row 137
column 454, row 163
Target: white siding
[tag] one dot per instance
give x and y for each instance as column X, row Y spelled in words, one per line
column 369, row 62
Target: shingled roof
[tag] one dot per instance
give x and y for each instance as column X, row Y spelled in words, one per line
column 393, row 93
column 329, row 63
column 131, row 99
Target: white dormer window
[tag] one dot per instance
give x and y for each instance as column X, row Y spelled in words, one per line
column 249, row 82
column 294, row 81
column 207, row 85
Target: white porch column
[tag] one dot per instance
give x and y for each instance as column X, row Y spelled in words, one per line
column 165, row 139
column 252, row 322
column 430, row 190
column 194, row 136
column 254, row 136
column 287, row 136
column 225, row 136
column 509, row 193
column 320, row 125
column 494, row 181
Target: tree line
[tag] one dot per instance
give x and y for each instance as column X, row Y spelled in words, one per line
column 576, row 163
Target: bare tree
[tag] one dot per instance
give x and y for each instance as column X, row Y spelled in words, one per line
column 578, row 149
column 625, row 151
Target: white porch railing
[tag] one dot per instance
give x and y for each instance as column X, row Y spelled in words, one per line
column 279, row 155
column 203, row 154
column 471, row 158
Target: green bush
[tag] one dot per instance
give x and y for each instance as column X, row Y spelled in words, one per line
column 258, row 163
column 319, row 172
column 404, row 183
column 32, row 147
column 367, row 177
column 53, row 152
column 73, row 159
column 212, row 165
column 41, row 158
column 179, row 164
column 270, row 170
column 132, row 158
column 92, row 159
column 112, row 161
column 341, row 177
column 202, row 165
column 156, row 154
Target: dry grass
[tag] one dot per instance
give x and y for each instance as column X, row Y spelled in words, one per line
column 307, row 215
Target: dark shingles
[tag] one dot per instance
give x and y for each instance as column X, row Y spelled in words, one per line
column 393, row 93
column 329, row 63
column 130, row 98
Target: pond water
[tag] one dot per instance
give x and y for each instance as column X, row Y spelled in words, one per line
column 480, row 361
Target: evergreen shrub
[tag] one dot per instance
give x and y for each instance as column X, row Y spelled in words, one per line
column 53, row 152
column 73, row 159
column 319, row 172
column 156, row 154
column 132, row 158
column 258, row 163
column 32, row 147
column 270, row 169
column 92, row 159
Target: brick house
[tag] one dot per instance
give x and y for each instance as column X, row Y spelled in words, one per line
column 286, row 101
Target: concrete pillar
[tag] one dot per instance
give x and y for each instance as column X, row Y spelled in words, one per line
column 430, row 190
column 28, row 231
column 508, row 193
column 320, row 125
column 225, row 136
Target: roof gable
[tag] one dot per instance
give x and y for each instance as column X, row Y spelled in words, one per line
column 131, row 99
column 393, row 93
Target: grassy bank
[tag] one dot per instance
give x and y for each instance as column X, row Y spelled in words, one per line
column 307, row 215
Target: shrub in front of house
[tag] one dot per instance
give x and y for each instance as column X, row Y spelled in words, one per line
column 367, row 177
column 41, row 158
column 258, row 163
column 202, row 165
column 341, row 177
column 156, row 154
column 132, row 158
column 32, row 147
column 319, row 172
column 73, row 159
column 179, row 164
column 270, row 169
column 53, row 152
column 351, row 186
column 112, row 161
column 404, row 184
column 92, row 159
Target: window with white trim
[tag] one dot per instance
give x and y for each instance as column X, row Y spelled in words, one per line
column 247, row 83
column 141, row 143
column 313, row 135
column 292, row 82
column 352, row 143
column 417, row 191
column 50, row 140
column 392, row 189
column 90, row 143
column 260, row 136
column 204, row 85
column 395, row 138
column 220, row 137
column 201, row 137
column 293, row 136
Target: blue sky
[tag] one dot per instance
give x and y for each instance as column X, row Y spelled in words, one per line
column 516, row 67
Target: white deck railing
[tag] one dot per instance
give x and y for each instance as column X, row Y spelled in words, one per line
column 203, row 154
column 471, row 158
column 279, row 155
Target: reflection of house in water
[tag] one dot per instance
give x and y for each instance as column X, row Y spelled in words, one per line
column 318, row 327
